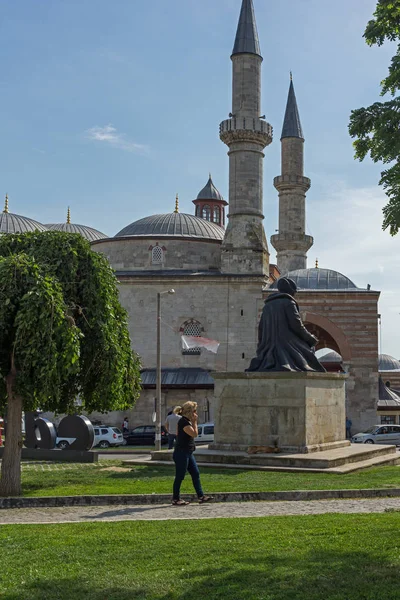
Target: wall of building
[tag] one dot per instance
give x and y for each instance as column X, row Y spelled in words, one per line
column 135, row 254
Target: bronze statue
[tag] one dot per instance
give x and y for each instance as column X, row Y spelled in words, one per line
column 284, row 344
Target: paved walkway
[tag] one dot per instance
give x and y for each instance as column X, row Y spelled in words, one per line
column 195, row 511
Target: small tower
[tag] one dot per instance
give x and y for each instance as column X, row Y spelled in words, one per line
column 244, row 249
column 291, row 243
column 210, row 204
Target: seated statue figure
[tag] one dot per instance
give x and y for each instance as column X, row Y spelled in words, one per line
column 284, row 344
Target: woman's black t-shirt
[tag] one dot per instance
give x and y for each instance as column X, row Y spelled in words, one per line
column 184, row 441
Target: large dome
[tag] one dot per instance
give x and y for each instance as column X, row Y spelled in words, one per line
column 88, row 233
column 173, row 225
column 388, row 363
column 319, row 279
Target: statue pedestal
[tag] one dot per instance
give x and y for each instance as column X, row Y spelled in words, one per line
column 295, row 412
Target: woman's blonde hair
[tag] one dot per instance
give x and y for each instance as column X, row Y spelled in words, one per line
column 177, row 410
column 187, row 409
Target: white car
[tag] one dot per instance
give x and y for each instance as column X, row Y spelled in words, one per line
column 104, row 437
column 379, row 434
column 206, row 433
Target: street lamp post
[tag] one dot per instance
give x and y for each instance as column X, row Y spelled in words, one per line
column 158, row 373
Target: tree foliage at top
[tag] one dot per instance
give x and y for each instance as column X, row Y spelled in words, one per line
column 63, row 325
column 377, row 127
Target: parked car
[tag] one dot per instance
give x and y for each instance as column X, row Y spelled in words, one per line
column 379, row 434
column 145, row 435
column 104, row 437
column 206, row 433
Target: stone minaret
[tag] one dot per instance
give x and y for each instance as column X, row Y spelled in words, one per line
column 291, row 243
column 244, row 249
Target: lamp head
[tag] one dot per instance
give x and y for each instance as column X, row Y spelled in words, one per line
column 171, row 291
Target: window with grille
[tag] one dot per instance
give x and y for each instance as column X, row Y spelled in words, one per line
column 157, row 255
column 198, row 211
column 195, row 329
column 216, row 214
column 206, row 212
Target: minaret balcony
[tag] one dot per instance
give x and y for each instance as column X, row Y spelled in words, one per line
column 291, row 241
column 288, row 182
column 246, row 129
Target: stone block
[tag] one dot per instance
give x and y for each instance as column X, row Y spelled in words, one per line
column 297, row 412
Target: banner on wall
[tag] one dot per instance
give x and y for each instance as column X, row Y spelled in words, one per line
column 191, row 341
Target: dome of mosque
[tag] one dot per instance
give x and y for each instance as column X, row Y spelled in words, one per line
column 319, row 279
column 88, row 233
column 388, row 363
column 173, row 225
column 10, row 223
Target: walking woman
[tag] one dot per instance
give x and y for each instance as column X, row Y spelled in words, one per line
column 183, row 454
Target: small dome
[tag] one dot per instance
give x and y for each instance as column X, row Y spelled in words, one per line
column 88, row 233
column 210, row 192
column 10, row 223
column 319, row 279
column 330, row 357
column 173, row 225
column 388, row 363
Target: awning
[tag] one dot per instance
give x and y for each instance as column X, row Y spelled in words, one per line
column 178, row 378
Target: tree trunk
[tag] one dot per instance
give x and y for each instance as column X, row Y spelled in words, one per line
column 10, row 482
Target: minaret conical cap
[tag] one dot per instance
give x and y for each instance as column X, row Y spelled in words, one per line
column 291, row 124
column 247, row 36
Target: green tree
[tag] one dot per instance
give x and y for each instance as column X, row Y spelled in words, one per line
column 63, row 332
column 377, row 127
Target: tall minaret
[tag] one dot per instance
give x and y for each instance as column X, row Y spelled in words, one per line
column 291, row 243
column 244, row 249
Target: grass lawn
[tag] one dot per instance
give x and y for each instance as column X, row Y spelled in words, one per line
column 109, row 477
column 329, row 557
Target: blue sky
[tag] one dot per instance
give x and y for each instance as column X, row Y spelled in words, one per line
column 113, row 107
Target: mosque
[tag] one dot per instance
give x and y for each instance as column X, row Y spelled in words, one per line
column 217, row 261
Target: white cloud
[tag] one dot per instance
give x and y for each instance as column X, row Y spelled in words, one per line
column 109, row 135
column 347, row 227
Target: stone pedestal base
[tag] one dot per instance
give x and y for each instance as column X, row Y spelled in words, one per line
column 293, row 412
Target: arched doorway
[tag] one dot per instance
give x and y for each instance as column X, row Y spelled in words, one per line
column 329, row 335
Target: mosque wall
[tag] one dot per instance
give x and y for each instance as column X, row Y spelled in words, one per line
column 225, row 308
column 136, row 254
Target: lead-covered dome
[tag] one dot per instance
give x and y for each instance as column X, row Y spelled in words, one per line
column 388, row 363
column 319, row 279
column 10, row 223
column 88, row 233
column 173, row 225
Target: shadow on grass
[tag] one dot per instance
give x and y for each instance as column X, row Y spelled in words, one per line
column 311, row 575
column 321, row 575
column 73, row 589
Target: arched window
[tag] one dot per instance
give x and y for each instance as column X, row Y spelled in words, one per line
column 198, row 211
column 157, row 255
column 217, row 215
column 206, row 213
column 192, row 328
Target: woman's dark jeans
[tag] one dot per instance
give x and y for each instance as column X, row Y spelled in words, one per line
column 185, row 461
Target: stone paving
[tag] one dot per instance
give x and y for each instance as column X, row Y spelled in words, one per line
column 195, row 511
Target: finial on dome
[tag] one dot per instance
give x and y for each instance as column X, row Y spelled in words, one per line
column 209, row 175
column 316, row 263
column 6, row 205
column 68, row 216
column 291, row 76
column 177, row 204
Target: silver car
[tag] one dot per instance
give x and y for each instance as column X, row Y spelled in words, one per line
column 379, row 434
